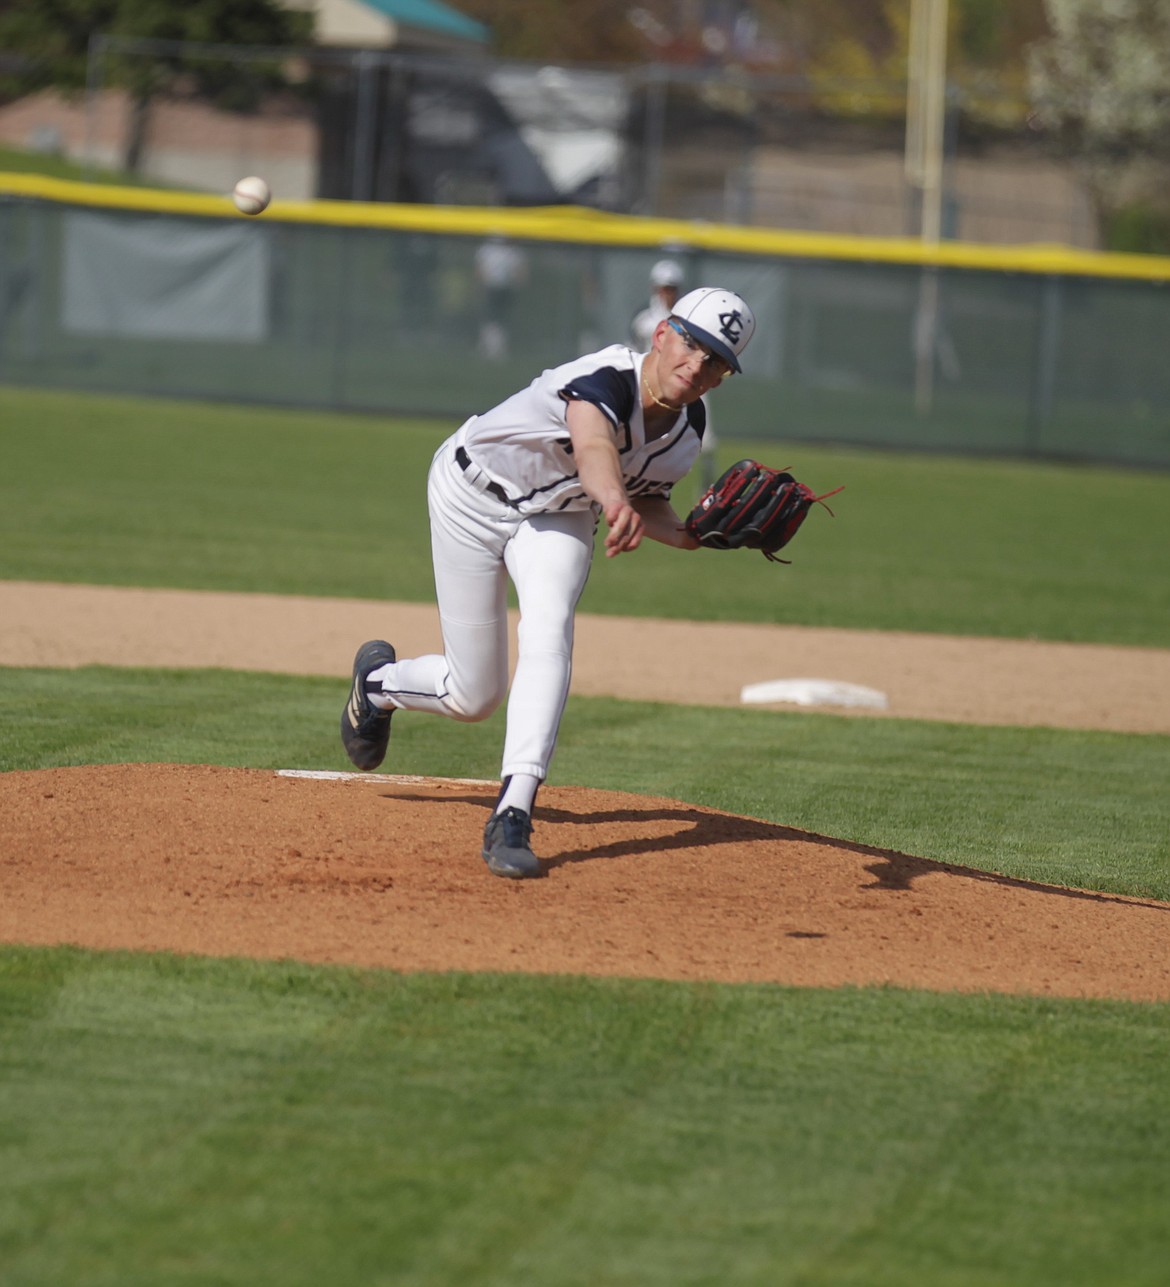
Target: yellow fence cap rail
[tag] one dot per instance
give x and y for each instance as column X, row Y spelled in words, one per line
column 574, row 224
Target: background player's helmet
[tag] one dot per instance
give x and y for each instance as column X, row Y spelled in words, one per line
column 666, row 273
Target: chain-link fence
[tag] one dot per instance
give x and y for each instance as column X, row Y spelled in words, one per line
column 308, row 311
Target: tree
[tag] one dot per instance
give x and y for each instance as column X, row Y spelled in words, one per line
column 861, row 39
column 1103, row 82
column 867, row 41
column 51, row 39
column 54, row 40
column 1105, row 72
column 585, row 31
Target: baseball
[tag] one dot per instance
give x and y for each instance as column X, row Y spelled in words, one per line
column 251, row 195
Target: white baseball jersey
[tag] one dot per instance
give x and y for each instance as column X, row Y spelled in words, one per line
column 645, row 323
column 523, row 448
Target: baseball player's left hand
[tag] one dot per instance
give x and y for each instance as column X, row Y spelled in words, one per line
column 753, row 507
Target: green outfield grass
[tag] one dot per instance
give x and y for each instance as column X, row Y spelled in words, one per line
column 222, row 1122
column 139, row 492
column 181, row 1122
column 22, row 161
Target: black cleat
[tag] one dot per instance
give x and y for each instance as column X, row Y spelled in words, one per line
column 365, row 730
column 505, row 845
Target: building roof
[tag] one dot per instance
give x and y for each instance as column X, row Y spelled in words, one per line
column 432, row 15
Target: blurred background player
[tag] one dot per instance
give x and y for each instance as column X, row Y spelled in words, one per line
column 501, row 268
column 666, row 279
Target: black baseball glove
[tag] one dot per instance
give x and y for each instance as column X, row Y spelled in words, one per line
column 752, row 507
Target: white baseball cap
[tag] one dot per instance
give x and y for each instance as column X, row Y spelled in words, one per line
column 720, row 319
column 666, row 273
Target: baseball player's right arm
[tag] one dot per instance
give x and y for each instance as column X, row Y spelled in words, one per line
column 599, row 469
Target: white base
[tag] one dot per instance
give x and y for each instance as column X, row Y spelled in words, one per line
column 814, row 692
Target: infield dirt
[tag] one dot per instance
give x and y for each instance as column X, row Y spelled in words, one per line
column 385, row 871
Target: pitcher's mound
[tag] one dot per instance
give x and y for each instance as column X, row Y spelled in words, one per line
column 386, row 871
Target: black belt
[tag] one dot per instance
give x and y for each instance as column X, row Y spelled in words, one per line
column 479, row 479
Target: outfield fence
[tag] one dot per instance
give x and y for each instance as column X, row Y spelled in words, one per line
column 439, row 311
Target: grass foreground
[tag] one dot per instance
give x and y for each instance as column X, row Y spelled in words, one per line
column 200, row 1122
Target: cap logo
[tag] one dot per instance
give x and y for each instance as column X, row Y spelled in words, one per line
column 731, row 326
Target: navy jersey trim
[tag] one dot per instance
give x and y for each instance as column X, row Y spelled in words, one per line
column 611, row 391
column 697, row 417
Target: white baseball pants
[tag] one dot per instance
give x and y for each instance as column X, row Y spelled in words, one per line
column 477, row 543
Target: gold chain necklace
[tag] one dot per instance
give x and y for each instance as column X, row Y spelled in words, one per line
column 666, row 406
